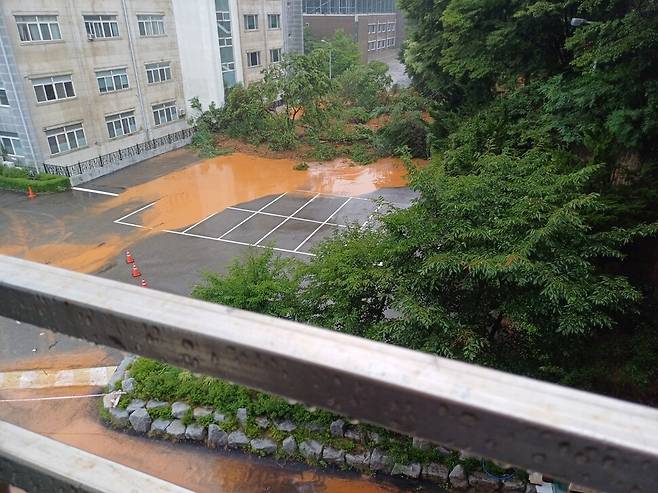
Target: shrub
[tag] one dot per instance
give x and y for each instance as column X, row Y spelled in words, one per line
column 204, row 142
column 282, row 135
column 358, row 115
column 19, row 179
column 303, row 166
column 362, row 154
column 407, row 129
column 324, row 152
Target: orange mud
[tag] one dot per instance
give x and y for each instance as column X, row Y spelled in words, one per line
column 84, row 358
column 75, row 422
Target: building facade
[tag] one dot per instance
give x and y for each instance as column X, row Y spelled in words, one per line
column 375, row 25
column 81, row 79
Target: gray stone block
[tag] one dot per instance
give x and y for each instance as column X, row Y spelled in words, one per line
column 287, row 426
column 241, row 414
column 179, row 409
column 263, row 446
column 337, row 428
column 289, row 446
column 216, row 436
column 120, row 371
column 176, row 429
column 442, row 451
column 159, row 426
column 195, row 431
column 153, row 404
column 118, row 417
column 436, row 473
column 358, row 461
column 458, row 478
column 513, row 485
column 420, row 444
column 134, row 405
column 353, row 435
column 128, row 385
column 201, row 412
column 408, row 470
column 262, row 422
column 140, row 420
column 374, row 437
column 310, row 449
column 237, row 439
column 333, row 456
column 380, row 461
column 219, row 418
column 482, row 483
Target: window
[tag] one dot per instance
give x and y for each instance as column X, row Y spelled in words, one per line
column 66, row 138
column 253, row 58
column 372, row 28
column 53, row 88
column 382, row 27
column 11, row 144
column 164, row 113
column 4, row 101
column 121, row 124
column 101, row 26
column 151, row 25
column 158, row 72
column 391, row 26
column 381, row 43
column 112, row 80
column 38, row 27
column 274, row 21
column 390, row 42
column 372, row 45
column 250, row 22
column 275, row 55
column 225, row 36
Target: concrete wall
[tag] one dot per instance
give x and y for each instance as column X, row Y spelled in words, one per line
column 81, row 58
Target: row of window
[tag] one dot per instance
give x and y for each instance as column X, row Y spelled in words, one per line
column 61, row 87
column 381, row 27
column 348, row 6
column 253, row 57
column 251, row 21
column 33, row 28
column 380, row 44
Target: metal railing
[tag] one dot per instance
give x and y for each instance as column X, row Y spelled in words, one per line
column 592, row 440
column 113, row 157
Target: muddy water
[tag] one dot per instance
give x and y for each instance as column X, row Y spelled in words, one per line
column 75, row 422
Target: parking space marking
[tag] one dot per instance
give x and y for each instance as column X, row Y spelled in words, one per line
column 287, row 219
column 89, row 190
column 120, row 220
column 326, row 221
column 371, row 217
column 202, row 220
column 250, row 216
column 334, row 195
column 282, row 215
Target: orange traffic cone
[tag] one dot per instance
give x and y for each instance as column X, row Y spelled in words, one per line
column 145, row 283
column 30, row 193
column 136, row 272
column 129, row 258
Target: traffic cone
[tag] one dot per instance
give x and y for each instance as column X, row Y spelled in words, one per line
column 145, row 283
column 129, row 258
column 136, row 272
column 30, row 193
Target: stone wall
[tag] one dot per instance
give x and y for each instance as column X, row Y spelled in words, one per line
column 338, row 444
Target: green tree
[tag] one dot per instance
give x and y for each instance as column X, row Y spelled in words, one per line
column 344, row 53
column 364, row 85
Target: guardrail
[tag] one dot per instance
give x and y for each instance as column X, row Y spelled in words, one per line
column 592, row 440
column 116, row 156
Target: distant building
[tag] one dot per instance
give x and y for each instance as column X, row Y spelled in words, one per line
column 84, row 79
column 375, row 25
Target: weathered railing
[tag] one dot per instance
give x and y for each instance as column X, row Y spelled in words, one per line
column 589, row 439
column 113, row 157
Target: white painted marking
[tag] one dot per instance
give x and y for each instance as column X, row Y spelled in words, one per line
column 135, row 212
column 335, row 195
column 99, row 376
column 100, row 192
column 283, row 215
column 196, row 224
column 28, row 379
column 252, row 215
column 287, row 219
column 324, row 223
column 64, row 378
column 371, row 216
column 56, row 398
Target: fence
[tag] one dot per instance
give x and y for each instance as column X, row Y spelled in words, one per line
column 589, row 439
column 116, row 156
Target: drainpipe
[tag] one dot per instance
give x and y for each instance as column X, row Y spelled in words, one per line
column 140, row 96
column 20, row 108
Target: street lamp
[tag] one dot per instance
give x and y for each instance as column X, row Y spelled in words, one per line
column 325, row 41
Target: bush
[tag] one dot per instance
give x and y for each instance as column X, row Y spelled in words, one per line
column 282, row 135
column 19, row 179
column 303, row 166
column 324, row 152
column 407, row 129
column 358, row 115
column 362, row 154
column 203, row 141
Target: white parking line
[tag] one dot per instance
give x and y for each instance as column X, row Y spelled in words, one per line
column 324, row 223
column 250, row 216
column 286, row 219
column 283, row 215
column 335, row 195
column 135, row 212
column 371, row 216
column 196, row 224
column 89, row 190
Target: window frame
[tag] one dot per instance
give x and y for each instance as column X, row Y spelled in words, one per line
column 103, row 24
column 279, row 51
column 374, row 28
column 257, row 53
column 11, row 139
column 75, row 130
column 112, row 75
column 42, row 82
column 3, row 91
column 122, row 120
column 379, row 27
column 391, row 27
column 381, row 44
column 255, row 19
column 152, row 20
column 158, row 68
column 40, row 22
column 278, row 22
column 374, row 45
column 389, row 44
column 163, row 107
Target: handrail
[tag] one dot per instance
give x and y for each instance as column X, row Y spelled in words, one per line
column 592, row 440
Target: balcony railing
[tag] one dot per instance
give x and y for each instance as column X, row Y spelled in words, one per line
column 592, row 440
